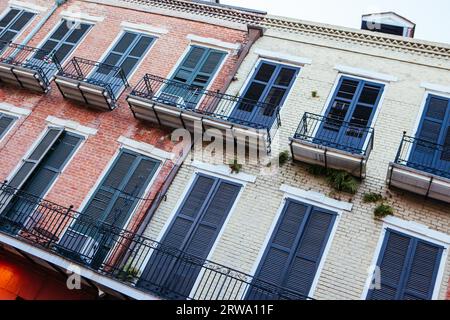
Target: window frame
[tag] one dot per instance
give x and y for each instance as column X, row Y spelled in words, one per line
column 415, row 230
column 276, row 223
column 10, row 126
column 333, row 92
column 115, row 41
column 53, row 30
column 12, row 7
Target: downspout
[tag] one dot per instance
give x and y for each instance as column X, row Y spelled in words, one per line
column 254, row 33
column 35, row 30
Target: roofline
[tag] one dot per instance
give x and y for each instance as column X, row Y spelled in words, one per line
column 245, row 18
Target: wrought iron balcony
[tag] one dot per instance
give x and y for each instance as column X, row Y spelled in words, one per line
column 94, row 84
column 27, row 67
column 333, row 143
column 124, row 256
column 176, row 105
column 422, row 167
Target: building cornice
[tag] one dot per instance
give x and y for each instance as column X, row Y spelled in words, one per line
column 421, row 47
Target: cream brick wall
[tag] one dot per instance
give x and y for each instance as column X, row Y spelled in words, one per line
column 353, row 247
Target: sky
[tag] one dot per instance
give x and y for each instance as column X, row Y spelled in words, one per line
column 431, row 16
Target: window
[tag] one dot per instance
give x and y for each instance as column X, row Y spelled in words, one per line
column 350, row 114
column 115, row 199
column 270, row 84
column 408, row 268
column 126, row 54
column 12, row 23
column 38, row 172
column 431, row 152
column 196, row 70
column 294, row 252
column 6, row 121
column 193, row 231
column 64, row 39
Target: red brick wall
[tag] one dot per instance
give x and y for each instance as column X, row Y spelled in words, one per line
column 84, row 170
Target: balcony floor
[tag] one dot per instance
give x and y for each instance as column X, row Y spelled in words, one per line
column 23, row 77
column 419, row 182
column 333, row 158
column 174, row 117
column 93, row 96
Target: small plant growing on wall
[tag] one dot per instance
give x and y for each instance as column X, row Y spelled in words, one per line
column 235, row 166
column 383, row 210
column 129, row 274
column 314, row 94
column 372, row 197
column 283, row 158
column 338, row 180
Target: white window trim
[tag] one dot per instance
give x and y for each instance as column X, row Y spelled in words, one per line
column 81, row 17
column 145, row 149
column 289, row 196
column 316, row 199
column 223, row 171
column 415, row 230
column 13, row 110
column 439, row 89
column 144, row 28
column 216, row 43
column 27, row 6
column 71, row 126
column 373, row 75
column 283, row 57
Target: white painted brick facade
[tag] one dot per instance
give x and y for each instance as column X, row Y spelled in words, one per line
column 353, row 247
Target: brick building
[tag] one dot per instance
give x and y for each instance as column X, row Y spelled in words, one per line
column 371, row 109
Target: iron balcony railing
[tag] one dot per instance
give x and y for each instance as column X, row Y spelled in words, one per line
column 233, row 109
column 125, row 256
column 110, row 78
column 45, row 63
column 424, row 155
column 336, row 133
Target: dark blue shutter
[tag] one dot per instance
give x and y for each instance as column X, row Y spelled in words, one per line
column 43, row 175
column 408, row 268
column 12, row 23
column 192, row 232
column 6, row 122
column 431, row 152
column 270, row 84
column 354, row 102
column 293, row 254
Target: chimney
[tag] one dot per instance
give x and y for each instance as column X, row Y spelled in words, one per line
column 390, row 23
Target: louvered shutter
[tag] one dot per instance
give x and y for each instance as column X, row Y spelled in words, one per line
column 6, row 122
column 44, row 175
column 196, row 70
column 408, row 268
column 193, row 232
column 293, row 254
column 159, row 266
column 273, row 265
column 431, row 130
column 39, row 152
